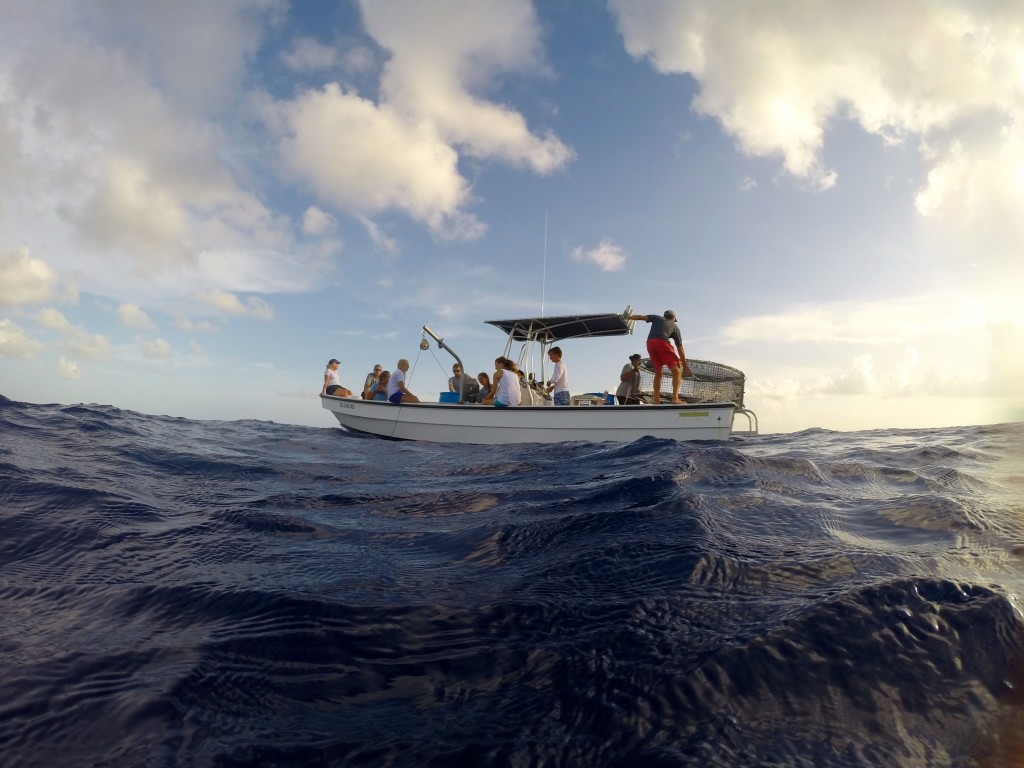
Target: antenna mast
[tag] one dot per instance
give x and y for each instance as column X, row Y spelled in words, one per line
column 544, row 273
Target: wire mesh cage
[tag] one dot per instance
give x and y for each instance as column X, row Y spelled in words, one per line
column 710, row 382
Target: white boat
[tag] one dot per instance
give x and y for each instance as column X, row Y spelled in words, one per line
column 714, row 397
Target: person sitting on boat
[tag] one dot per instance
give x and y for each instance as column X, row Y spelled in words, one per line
column 664, row 329
column 559, row 383
column 379, row 391
column 332, row 384
column 371, row 379
column 498, row 369
column 506, row 385
column 485, row 386
column 469, row 385
column 397, row 391
column 628, row 390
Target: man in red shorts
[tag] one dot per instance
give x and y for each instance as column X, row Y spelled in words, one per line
column 663, row 330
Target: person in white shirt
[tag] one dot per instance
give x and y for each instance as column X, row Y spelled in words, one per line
column 397, row 391
column 332, row 384
column 506, row 385
column 559, row 383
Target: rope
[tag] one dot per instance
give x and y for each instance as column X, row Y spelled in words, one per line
column 394, row 424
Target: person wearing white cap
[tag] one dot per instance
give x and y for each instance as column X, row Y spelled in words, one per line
column 332, row 384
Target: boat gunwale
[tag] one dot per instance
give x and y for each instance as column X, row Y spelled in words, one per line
column 561, row 409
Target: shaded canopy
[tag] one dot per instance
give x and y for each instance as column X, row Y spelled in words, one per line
column 549, row 329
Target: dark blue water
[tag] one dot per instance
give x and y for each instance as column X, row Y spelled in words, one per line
column 176, row 592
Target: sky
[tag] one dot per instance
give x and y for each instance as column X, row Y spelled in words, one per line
column 201, row 203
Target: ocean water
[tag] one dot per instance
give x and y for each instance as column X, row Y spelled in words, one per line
column 186, row 593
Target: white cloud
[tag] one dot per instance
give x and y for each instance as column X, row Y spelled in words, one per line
column 222, row 301
column 309, row 55
column 25, row 280
column 436, row 76
column 402, row 152
column 158, row 349
column 191, row 326
column 379, row 237
column 197, row 351
column 14, row 342
column 606, row 255
column 68, row 369
column 384, row 162
column 776, row 74
column 258, row 308
column 113, row 113
column 230, row 304
column 91, row 345
column 944, row 345
column 317, row 223
column 76, row 338
column 132, row 316
column 898, row 321
column 904, row 378
column 54, row 320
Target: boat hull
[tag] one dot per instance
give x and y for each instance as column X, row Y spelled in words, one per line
column 487, row 425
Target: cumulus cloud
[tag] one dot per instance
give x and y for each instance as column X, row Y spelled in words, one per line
column 114, row 113
column 606, row 255
column 54, row 320
column 865, row 375
column 131, row 135
column 439, row 76
column 317, row 223
column 186, row 324
column 229, row 304
column 132, row 316
column 943, row 344
column 25, row 280
column 77, row 339
column 14, row 342
column 222, row 301
column 904, row 378
column 776, row 74
column 68, row 369
column 402, row 151
column 157, row 349
column 94, row 346
column 384, row 161
column 849, row 322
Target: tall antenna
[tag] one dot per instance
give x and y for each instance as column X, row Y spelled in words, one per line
column 544, row 273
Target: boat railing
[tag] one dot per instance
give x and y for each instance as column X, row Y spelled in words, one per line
column 752, row 426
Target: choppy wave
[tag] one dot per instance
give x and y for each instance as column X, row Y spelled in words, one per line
column 175, row 592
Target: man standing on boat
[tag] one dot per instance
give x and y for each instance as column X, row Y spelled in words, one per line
column 559, row 384
column 663, row 330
